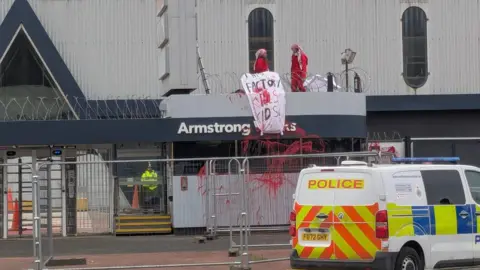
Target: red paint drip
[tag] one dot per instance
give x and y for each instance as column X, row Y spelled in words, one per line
column 273, row 178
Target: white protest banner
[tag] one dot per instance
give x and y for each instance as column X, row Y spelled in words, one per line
column 267, row 100
column 318, row 83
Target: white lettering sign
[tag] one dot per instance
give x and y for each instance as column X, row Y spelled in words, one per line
column 244, row 129
column 217, row 128
column 267, row 100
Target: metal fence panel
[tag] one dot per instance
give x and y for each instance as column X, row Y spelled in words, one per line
column 237, row 196
column 258, row 197
column 94, row 194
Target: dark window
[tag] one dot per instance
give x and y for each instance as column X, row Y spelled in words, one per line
column 27, row 91
column 260, row 35
column 198, row 152
column 443, row 187
column 473, row 179
column 414, row 36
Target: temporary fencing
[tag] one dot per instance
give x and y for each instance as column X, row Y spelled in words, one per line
column 246, row 199
column 254, row 195
column 15, row 220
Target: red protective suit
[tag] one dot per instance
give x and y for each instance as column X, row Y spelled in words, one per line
column 299, row 70
column 260, row 65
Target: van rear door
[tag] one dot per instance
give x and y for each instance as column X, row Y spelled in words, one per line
column 314, row 221
column 336, row 215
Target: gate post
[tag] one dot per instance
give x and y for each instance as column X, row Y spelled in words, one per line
column 207, row 198
column 49, row 211
column 211, row 189
column 408, row 146
column 212, row 176
column 244, row 220
column 37, row 234
column 71, row 190
column 454, row 149
column 116, row 185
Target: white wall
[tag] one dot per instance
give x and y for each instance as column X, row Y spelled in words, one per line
column 234, row 105
column 267, row 205
column 176, row 24
column 325, row 28
column 110, row 46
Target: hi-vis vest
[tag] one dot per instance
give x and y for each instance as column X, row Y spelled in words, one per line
column 150, row 176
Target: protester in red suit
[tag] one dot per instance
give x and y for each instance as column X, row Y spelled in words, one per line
column 261, row 63
column 299, row 68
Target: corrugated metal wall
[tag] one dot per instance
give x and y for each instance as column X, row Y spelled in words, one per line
column 222, row 32
column 325, row 28
column 109, row 45
column 4, row 8
column 264, row 206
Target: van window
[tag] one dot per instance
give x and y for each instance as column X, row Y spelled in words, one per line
column 336, row 188
column 443, row 187
column 473, row 179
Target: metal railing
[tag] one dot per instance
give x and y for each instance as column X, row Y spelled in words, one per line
column 229, row 82
column 264, row 187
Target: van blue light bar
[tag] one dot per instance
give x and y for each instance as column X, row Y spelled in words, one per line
column 427, row 159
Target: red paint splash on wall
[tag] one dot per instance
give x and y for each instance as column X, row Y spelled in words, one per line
column 202, row 177
column 273, row 176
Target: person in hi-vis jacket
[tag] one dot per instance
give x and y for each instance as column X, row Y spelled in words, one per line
column 298, row 68
column 150, row 196
column 261, row 62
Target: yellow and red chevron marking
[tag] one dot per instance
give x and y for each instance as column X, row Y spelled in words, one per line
column 354, row 234
column 306, row 218
column 352, row 237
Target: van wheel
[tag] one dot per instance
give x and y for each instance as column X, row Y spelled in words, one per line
column 408, row 259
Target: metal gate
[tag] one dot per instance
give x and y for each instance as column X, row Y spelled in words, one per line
column 50, row 184
column 19, row 197
column 17, row 191
column 224, row 185
column 88, row 209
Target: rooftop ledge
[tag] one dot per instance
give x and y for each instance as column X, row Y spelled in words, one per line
column 236, row 104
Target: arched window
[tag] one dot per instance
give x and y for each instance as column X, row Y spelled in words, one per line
column 414, row 36
column 260, row 35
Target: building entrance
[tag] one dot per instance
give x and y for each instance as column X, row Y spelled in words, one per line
column 16, row 184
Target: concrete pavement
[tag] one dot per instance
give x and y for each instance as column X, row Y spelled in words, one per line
column 100, row 245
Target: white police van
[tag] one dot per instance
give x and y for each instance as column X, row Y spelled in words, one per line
column 404, row 216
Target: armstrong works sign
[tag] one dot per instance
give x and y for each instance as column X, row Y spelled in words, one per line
column 218, row 128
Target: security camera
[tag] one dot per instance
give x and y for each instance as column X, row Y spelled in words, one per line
column 348, row 56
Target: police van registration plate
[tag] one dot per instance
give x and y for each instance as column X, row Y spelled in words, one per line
column 314, row 237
